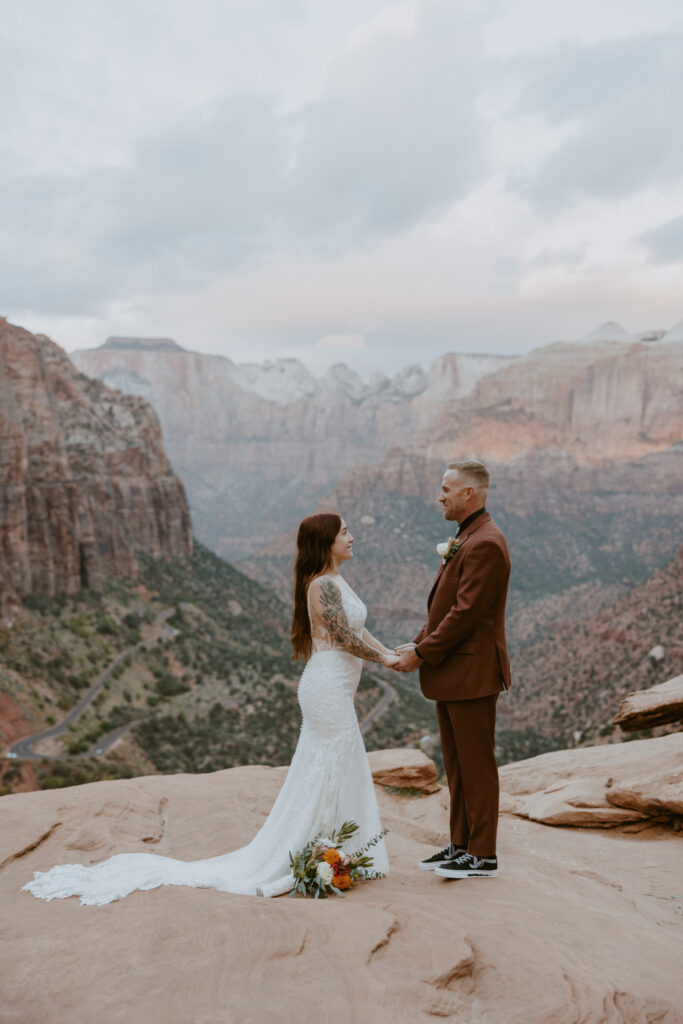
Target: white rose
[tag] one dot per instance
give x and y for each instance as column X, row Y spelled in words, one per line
column 324, row 872
column 443, row 548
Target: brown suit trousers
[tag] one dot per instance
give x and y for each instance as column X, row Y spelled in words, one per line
column 467, row 730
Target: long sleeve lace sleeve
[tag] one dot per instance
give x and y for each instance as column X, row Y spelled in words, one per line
column 329, row 621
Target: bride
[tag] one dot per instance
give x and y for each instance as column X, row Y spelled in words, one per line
column 329, row 779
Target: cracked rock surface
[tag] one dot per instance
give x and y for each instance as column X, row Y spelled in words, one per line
column 582, row 924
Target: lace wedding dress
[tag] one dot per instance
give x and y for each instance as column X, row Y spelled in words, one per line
column 328, row 782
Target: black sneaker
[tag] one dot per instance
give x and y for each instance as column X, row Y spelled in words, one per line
column 442, row 857
column 469, row 866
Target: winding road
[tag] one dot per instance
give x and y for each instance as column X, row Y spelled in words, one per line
column 380, row 707
column 24, row 747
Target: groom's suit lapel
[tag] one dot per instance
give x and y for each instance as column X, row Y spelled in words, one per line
column 479, row 522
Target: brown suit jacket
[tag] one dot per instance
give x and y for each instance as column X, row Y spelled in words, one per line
column 463, row 640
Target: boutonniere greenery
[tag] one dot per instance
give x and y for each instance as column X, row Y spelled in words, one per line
column 448, row 548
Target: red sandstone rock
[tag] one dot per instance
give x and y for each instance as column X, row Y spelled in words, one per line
column 404, row 769
column 658, row 705
column 84, row 479
column 579, row 925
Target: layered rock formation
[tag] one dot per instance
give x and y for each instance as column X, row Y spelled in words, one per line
column 658, row 705
column 563, row 934
column 258, row 445
column 84, row 480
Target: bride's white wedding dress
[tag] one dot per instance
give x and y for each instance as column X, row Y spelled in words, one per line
column 328, row 782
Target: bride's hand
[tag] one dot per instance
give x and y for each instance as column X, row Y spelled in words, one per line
column 389, row 660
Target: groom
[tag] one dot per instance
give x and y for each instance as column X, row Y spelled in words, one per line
column 463, row 662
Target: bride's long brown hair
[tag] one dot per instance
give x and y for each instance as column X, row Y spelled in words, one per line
column 314, row 555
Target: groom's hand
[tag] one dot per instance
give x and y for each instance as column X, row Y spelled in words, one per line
column 408, row 660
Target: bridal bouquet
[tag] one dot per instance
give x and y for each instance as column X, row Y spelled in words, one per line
column 322, row 868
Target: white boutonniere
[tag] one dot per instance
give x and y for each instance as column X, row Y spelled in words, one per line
column 448, row 548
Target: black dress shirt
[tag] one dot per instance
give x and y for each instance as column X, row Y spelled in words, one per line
column 470, row 519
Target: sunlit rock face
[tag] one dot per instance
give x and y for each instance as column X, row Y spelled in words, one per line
column 84, row 479
column 597, row 401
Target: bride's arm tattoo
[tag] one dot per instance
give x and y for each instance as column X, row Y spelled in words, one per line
column 337, row 624
column 374, row 642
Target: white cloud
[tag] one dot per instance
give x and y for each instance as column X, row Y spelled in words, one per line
column 396, row 19
column 619, row 102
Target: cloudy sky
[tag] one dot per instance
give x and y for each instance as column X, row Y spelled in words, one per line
column 370, row 182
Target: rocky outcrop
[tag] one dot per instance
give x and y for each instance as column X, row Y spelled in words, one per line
column 658, row 705
column 84, row 480
column 544, row 942
column 599, row 786
column 404, row 769
column 257, row 445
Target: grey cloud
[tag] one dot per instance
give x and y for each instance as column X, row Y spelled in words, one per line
column 569, row 258
column 394, row 136
column 622, row 101
column 665, row 242
column 208, row 192
column 201, row 197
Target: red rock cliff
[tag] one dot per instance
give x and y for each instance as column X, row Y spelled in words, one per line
column 84, row 479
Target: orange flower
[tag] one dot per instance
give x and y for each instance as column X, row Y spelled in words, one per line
column 342, row 881
column 331, row 856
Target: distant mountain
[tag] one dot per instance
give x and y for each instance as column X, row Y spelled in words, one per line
column 148, row 344
column 588, row 403
column 258, row 445
column 84, row 479
column 610, row 331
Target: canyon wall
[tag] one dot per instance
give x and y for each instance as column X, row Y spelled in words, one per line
column 257, row 446
column 84, row 479
column 597, row 402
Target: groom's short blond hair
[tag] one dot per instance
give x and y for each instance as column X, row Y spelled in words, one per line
column 475, row 473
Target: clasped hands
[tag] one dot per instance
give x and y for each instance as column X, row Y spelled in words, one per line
column 404, row 659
